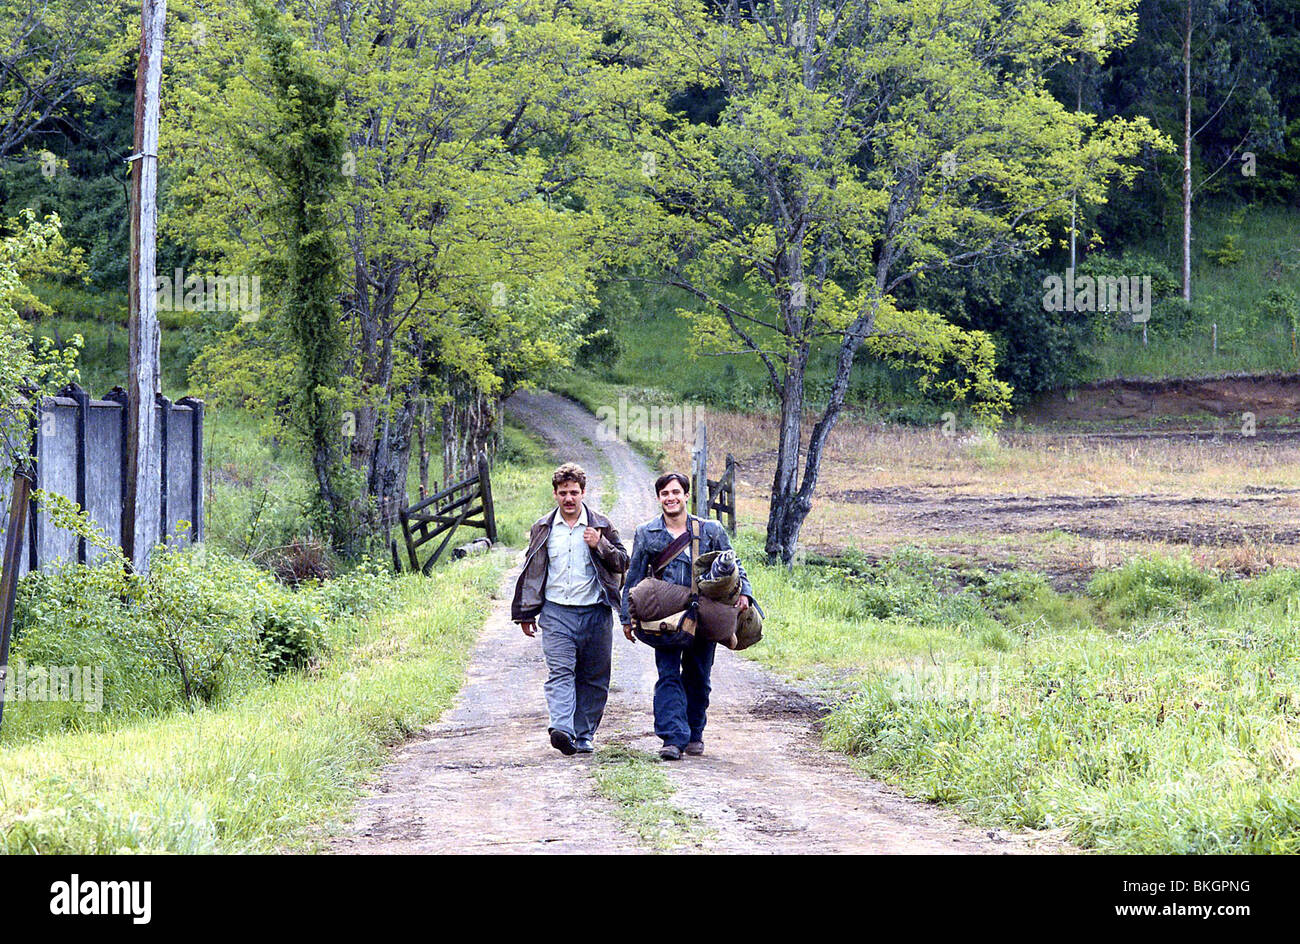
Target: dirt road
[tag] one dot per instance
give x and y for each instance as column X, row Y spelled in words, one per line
column 485, row 778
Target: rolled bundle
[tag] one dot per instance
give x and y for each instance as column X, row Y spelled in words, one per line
column 718, row 576
column 654, row 599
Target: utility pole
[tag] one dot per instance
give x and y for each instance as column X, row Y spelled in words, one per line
column 143, row 488
column 1187, row 155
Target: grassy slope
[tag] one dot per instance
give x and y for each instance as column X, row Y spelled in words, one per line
column 655, row 364
column 1250, row 341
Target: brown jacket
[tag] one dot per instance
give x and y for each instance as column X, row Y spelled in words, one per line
column 609, row 556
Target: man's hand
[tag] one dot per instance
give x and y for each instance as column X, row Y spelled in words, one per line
column 627, row 631
column 529, row 629
column 742, row 602
column 592, row 537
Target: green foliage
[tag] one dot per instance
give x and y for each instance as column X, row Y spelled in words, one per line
column 290, row 633
column 1158, row 725
column 263, row 772
column 1148, row 585
column 303, row 152
column 200, row 628
column 27, row 370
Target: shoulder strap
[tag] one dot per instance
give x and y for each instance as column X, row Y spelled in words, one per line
column 695, row 552
column 672, row 550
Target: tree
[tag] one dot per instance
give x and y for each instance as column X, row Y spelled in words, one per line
column 860, row 147
column 303, row 153
column 53, row 54
column 27, row 371
column 468, row 237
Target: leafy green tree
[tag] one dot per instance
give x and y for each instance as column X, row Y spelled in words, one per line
column 861, row 147
column 27, row 371
column 53, row 54
column 303, row 153
column 467, row 221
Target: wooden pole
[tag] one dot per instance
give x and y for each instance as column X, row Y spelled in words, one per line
column 699, row 473
column 143, row 474
column 1187, row 155
column 18, row 500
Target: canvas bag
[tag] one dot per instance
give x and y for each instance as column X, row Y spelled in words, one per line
column 676, row 628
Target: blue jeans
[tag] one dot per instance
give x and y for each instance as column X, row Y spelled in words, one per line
column 682, row 691
column 576, row 641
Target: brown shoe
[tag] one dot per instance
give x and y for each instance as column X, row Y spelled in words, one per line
column 695, row 748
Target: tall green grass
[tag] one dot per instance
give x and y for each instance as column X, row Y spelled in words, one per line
column 1155, row 713
column 1254, row 336
column 276, row 769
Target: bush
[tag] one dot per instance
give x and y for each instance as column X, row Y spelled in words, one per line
column 201, row 625
column 290, row 633
column 196, row 613
column 301, row 559
column 356, row 593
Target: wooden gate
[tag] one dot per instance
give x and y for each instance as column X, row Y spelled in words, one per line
column 713, row 495
column 445, row 511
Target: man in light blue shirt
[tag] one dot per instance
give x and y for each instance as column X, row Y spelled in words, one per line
column 572, row 574
column 570, row 571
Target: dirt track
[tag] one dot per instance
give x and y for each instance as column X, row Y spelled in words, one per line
column 485, row 779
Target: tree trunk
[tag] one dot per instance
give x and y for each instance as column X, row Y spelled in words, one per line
column 785, row 513
column 422, row 438
column 392, row 459
column 469, row 426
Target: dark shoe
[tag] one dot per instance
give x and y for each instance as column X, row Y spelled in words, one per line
column 695, row 748
column 670, row 752
column 562, row 743
column 584, row 746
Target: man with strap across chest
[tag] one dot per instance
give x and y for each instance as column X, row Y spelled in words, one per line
column 685, row 665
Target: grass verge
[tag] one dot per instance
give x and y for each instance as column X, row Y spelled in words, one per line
column 269, row 772
column 1155, row 712
column 642, row 795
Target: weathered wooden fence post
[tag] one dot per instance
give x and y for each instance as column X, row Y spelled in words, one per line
column 485, row 488
column 196, row 466
column 700, row 473
column 729, row 478
column 18, row 512
column 80, row 434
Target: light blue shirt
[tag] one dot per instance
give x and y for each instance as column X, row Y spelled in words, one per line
column 570, row 572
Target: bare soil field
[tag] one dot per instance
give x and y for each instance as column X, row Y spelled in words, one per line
column 1056, row 498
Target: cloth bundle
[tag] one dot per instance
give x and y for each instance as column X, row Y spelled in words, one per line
column 719, row 581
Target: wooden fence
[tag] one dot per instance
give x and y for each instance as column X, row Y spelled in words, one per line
column 79, row 448
column 445, row 511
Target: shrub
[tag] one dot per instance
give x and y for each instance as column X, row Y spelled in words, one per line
column 290, row 632
column 196, row 618
column 360, row 591
column 305, row 558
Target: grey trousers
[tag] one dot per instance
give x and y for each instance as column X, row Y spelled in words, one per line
column 576, row 641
